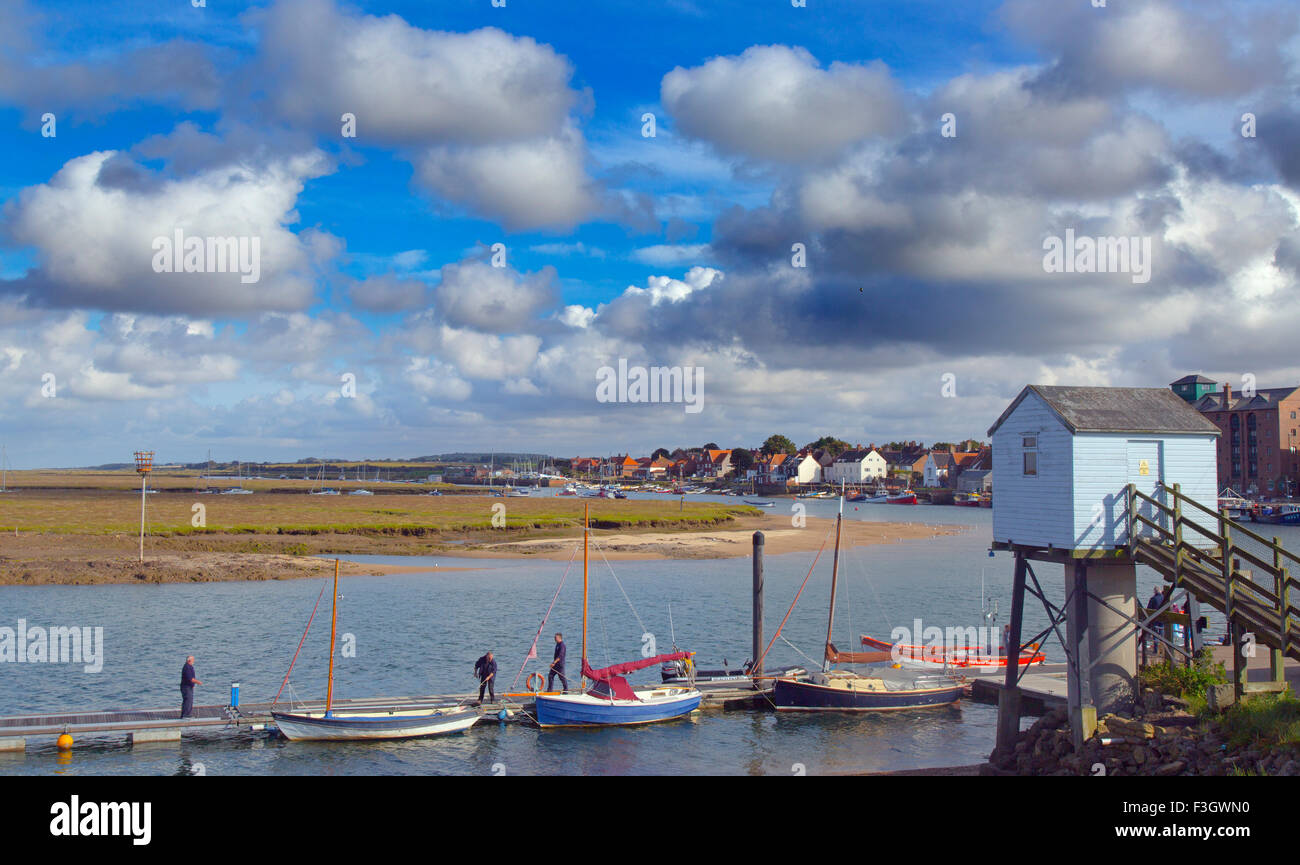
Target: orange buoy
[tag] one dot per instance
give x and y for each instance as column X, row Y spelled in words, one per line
column 65, row 742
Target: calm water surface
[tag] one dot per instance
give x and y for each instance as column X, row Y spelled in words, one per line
column 419, row 633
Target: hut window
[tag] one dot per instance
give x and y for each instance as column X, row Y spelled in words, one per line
column 1030, row 444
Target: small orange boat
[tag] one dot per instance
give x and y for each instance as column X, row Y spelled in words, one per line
column 961, row 656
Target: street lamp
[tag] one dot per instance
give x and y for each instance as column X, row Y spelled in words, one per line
column 143, row 465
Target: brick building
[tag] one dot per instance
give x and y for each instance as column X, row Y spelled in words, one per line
column 1259, row 451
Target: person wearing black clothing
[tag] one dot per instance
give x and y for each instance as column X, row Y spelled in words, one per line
column 557, row 665
column 1156, row 602
column 187, row 687
column 486, row 670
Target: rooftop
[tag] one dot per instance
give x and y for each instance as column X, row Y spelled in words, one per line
column 1116, row 409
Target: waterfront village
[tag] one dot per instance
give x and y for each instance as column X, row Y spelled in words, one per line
column 1258, row 456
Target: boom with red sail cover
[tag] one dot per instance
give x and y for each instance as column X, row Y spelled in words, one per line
column 612, row 676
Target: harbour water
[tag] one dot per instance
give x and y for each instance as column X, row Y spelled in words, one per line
column 419, row 633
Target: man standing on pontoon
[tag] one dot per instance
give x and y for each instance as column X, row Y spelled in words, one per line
column 557, row 665
column 188, row 681
column 486, row 670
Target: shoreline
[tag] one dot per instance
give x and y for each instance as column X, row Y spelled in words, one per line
column 49, row 558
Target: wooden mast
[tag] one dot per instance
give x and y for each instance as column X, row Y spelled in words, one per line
column 586, row 529
column 334, row 621
column 835, row 573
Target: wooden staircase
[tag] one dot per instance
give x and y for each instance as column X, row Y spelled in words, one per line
column 1206, row 559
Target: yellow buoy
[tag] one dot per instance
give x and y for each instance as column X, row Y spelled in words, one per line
column 65, row 742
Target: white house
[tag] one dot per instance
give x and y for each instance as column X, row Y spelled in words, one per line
column 1064, row 456
column 857, row 467
column 804, row 469
column 938, row 468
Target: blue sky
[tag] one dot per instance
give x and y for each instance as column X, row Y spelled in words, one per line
column 522, row 125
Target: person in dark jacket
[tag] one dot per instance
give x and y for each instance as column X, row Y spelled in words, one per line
column 486, row 670
column 557, row 665
column 188, row 681
column 1156, row 602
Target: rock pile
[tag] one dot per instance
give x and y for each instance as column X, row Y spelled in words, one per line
column 1177, row 745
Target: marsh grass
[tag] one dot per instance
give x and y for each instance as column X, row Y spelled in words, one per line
column 110, row 511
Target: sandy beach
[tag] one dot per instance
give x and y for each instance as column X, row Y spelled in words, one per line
column 50, row 558
column 779, row 537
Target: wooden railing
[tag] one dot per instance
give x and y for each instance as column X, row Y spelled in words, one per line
column 1259, row 603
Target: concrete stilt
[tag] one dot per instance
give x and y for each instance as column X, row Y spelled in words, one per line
column 1104, row 643
column 1112, row 643
column 143, row 737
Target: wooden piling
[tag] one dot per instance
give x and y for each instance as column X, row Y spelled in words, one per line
column 757, row 629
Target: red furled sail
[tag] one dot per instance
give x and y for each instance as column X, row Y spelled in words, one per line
column 631, row 666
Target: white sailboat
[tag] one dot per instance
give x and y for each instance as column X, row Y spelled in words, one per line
column 239, row 490
column 368, row 722
column 323, row 490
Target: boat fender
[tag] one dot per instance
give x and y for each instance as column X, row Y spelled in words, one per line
column 540, row 681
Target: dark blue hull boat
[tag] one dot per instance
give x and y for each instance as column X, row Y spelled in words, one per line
column 849, row 692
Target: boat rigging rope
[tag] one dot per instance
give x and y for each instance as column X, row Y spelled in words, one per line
column 796, row 597
column 880, row 605
column 300, row 642
column 798, row 652
column 620, row 586
column 533, row 651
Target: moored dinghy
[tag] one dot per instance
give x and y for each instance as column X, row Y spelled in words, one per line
column 611, row 701
column 374, row 723
column 359, row 723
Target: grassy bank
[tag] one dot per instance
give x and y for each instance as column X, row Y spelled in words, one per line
column 174, row 514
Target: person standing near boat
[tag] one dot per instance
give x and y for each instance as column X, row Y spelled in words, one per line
column 486, row 670
column 557, row 665
column 188, row 681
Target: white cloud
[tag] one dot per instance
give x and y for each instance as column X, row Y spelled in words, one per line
column 776, row 103
column 94, row 226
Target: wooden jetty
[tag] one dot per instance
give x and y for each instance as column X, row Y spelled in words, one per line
column 166, row 725
column 1043, row 687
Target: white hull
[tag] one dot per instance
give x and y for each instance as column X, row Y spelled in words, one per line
column 373, row 725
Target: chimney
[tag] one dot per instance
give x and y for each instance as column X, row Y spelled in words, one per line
column 1227, row 395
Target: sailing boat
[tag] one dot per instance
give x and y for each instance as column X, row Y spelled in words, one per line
column 4, row 470
column 849, row 691
column 611, row 701
column 323, row 491
column 369, row 722
column 239, row 490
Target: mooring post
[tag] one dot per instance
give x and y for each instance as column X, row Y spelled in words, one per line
column 758, row 605
column 1083, row 720
column 1009, row 696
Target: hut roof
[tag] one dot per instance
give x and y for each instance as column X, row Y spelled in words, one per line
column 1152, row 410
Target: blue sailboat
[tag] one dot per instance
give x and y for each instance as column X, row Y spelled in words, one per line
column 610, row 701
